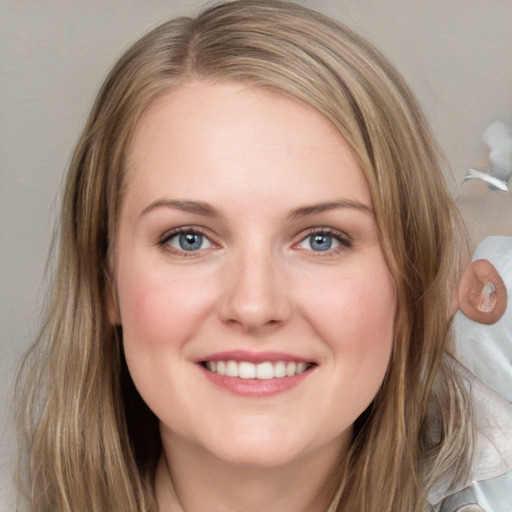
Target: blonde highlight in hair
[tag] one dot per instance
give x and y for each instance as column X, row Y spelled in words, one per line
column 92, row 444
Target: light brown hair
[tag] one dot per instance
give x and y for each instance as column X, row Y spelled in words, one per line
column 90, row 441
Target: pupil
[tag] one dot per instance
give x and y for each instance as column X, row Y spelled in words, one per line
column 321, row 242
column 191, row 241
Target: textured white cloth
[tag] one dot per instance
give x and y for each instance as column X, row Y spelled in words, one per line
column 485, row 351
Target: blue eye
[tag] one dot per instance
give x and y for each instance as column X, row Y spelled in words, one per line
column 321, row 242
column 188, row 241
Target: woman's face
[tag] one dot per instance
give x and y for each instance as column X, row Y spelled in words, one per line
column 256, row 305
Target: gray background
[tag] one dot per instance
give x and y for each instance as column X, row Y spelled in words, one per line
column 456, row 55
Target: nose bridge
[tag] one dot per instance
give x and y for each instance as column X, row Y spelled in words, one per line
column 255, row 294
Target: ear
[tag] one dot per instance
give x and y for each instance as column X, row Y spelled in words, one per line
column 482, row 294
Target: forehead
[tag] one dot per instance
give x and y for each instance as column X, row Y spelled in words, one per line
column 201, row 136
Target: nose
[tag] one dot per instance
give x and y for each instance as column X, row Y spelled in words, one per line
column 254, row 295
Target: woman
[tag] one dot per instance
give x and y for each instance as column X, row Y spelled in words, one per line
column 250, row 308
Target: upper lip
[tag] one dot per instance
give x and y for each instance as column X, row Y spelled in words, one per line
column 253, row 357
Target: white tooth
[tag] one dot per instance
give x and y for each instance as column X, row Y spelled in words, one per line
column 291, row 368
column 264, row 371
column 232, row 369
column 246, row 370
column 280, row 369
column 221, row 367
column 300, row 368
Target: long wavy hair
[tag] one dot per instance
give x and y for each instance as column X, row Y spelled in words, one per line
column 89, row 443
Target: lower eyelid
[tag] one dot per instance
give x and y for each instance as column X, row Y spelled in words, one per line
column 169, row 235
column 341, row 238
column 343, row 241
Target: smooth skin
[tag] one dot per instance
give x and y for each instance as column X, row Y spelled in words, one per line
column 246, row 224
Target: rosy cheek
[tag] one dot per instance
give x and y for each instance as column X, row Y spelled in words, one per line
column 161, row 308
column 139, row 305
column 359, row 314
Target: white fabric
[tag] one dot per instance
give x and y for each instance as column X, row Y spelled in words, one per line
column 495, row 495
column 485, row 351
column 493, row 439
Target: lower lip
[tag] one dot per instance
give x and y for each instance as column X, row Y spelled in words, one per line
column 257, row 388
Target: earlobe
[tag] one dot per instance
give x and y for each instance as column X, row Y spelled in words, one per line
column 482, row 293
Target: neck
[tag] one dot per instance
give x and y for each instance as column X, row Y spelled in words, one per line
column 188, row 481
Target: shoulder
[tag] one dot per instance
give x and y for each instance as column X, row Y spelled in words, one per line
column 489, row 482
column 494, row 495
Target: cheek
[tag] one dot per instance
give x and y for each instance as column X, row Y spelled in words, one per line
column 159, row 314
column 356, row 320
column 142, row 305
column 157, row 307
column 359, row 309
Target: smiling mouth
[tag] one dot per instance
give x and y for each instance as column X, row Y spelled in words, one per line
column 264, row 371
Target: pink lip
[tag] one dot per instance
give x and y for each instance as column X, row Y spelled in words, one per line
column 253, row 357
column 255, row 388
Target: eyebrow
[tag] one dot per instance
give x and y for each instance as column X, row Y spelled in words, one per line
column 206, row 210
column 197, row 207
column 305, row 211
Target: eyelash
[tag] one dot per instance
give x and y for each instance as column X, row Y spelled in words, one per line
column 163, row 242
column 342, row 238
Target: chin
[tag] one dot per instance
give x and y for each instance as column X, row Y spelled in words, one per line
column 257, row 457
column 260, row 449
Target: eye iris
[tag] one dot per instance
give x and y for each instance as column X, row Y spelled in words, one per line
column 320, row 242
column 190, row 241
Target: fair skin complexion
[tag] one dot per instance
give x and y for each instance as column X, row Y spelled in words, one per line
column 247, row 240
